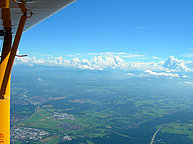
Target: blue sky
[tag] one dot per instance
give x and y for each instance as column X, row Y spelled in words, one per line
column 157, row 28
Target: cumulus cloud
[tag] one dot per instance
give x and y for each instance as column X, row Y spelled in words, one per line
column 114, row 62
column 49, row 61
column 173, row 64
column 29, row 60
column 189, row 64
column 144, row 66
column 99, row 63
column 169, row 67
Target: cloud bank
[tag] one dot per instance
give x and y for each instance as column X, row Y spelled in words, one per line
column 169, row 67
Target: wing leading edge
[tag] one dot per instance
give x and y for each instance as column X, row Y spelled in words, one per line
column 41, row 9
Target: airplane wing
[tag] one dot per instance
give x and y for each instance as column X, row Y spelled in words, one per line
column 41, row 9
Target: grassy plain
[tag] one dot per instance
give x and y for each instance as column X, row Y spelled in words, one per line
column 179, row 128
column 42, row 119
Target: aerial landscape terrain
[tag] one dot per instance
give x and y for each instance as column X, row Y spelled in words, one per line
column 106, row 72
column 97, row 72
column 56, row 105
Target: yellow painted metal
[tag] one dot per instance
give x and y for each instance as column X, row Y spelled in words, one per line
column 8, row 55
column 7, row 59
column 5, row 73
column 5, row 107
column 5, row 103
column 6, row 46
column 13, row 54
column 4, row 3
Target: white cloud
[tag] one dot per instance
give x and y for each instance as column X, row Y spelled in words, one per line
column 155, row 57
column 29, row 60
column 114, row 62
column 17, row 53
column 189, row 55
column 173, row 64
column 184, row 76
column 132, row 56
column 144, row 66
column 98, row 63
column 49, row 61
column 39, row 79
column 169, row 67
column 189, row 64
column 161, row 74
column 189, row 83
column 130, row 74
column 141, row 27
column 70, row 55
column 102, row 53
column 120, row 54
column 75, row 60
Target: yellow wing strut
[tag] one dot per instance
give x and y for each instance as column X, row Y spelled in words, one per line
column 6, row 64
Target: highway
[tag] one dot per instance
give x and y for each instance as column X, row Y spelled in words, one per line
column 152, row 140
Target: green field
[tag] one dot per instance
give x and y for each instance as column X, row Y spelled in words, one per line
column 105, row 110
column 42, row 119
column 179, row 128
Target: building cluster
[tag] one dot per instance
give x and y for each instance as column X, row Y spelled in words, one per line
column 68, row 138
column 62, row 116
column 16, row 118
column 27, row 134
column 36, row 100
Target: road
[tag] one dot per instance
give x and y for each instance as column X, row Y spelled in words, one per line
column 152, row 140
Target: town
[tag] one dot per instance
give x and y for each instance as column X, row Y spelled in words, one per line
column 27, row 134
column 62, row 116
